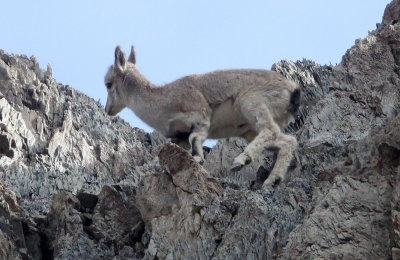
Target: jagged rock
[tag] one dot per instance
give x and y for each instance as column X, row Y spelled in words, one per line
column 91, row 187
column 392, row 13
column 116, row 219
column 180, row 232
column 111, row 227
column 63, row 138
column 12, row 239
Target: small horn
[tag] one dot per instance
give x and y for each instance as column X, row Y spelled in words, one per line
column 132, row 56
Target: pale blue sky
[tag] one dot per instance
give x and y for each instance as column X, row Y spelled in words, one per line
column 175, row 38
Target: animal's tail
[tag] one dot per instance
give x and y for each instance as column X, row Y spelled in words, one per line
column 294, row 102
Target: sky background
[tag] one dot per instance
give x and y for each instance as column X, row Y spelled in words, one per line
column 175, row 38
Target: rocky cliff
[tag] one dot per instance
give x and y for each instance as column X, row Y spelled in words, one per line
column 77, row 184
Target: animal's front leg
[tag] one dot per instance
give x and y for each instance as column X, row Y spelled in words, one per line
column 196, row 139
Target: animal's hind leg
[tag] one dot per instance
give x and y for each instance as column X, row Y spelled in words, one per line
column 243, row 158
column 266, row 131
column 265, row 139
column 286, row 145
column 269, row 136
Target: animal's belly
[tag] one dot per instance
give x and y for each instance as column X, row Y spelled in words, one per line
column 226, row 121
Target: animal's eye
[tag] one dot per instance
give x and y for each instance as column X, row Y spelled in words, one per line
column 108, row 85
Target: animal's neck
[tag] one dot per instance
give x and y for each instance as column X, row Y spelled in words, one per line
column 144, row 99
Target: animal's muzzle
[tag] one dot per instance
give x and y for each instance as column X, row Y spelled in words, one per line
column 108, row 109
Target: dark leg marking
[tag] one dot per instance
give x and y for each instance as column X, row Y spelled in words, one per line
column 194, row 149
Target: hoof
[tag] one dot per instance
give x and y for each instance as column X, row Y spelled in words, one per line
column 271, row 181
column 198, row 159
column 236, row 167
column 240, row 161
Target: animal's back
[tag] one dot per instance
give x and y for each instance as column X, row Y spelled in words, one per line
column 219, row 86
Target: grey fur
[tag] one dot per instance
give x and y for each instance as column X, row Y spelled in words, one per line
column 253, row 104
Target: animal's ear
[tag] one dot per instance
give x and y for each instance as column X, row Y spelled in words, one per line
column 120, row 60
column 132, row 56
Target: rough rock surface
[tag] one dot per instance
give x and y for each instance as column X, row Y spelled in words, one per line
column 53, row 137
column 76, row 184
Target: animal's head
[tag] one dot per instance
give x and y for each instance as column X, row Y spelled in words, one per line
column 114, row 81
